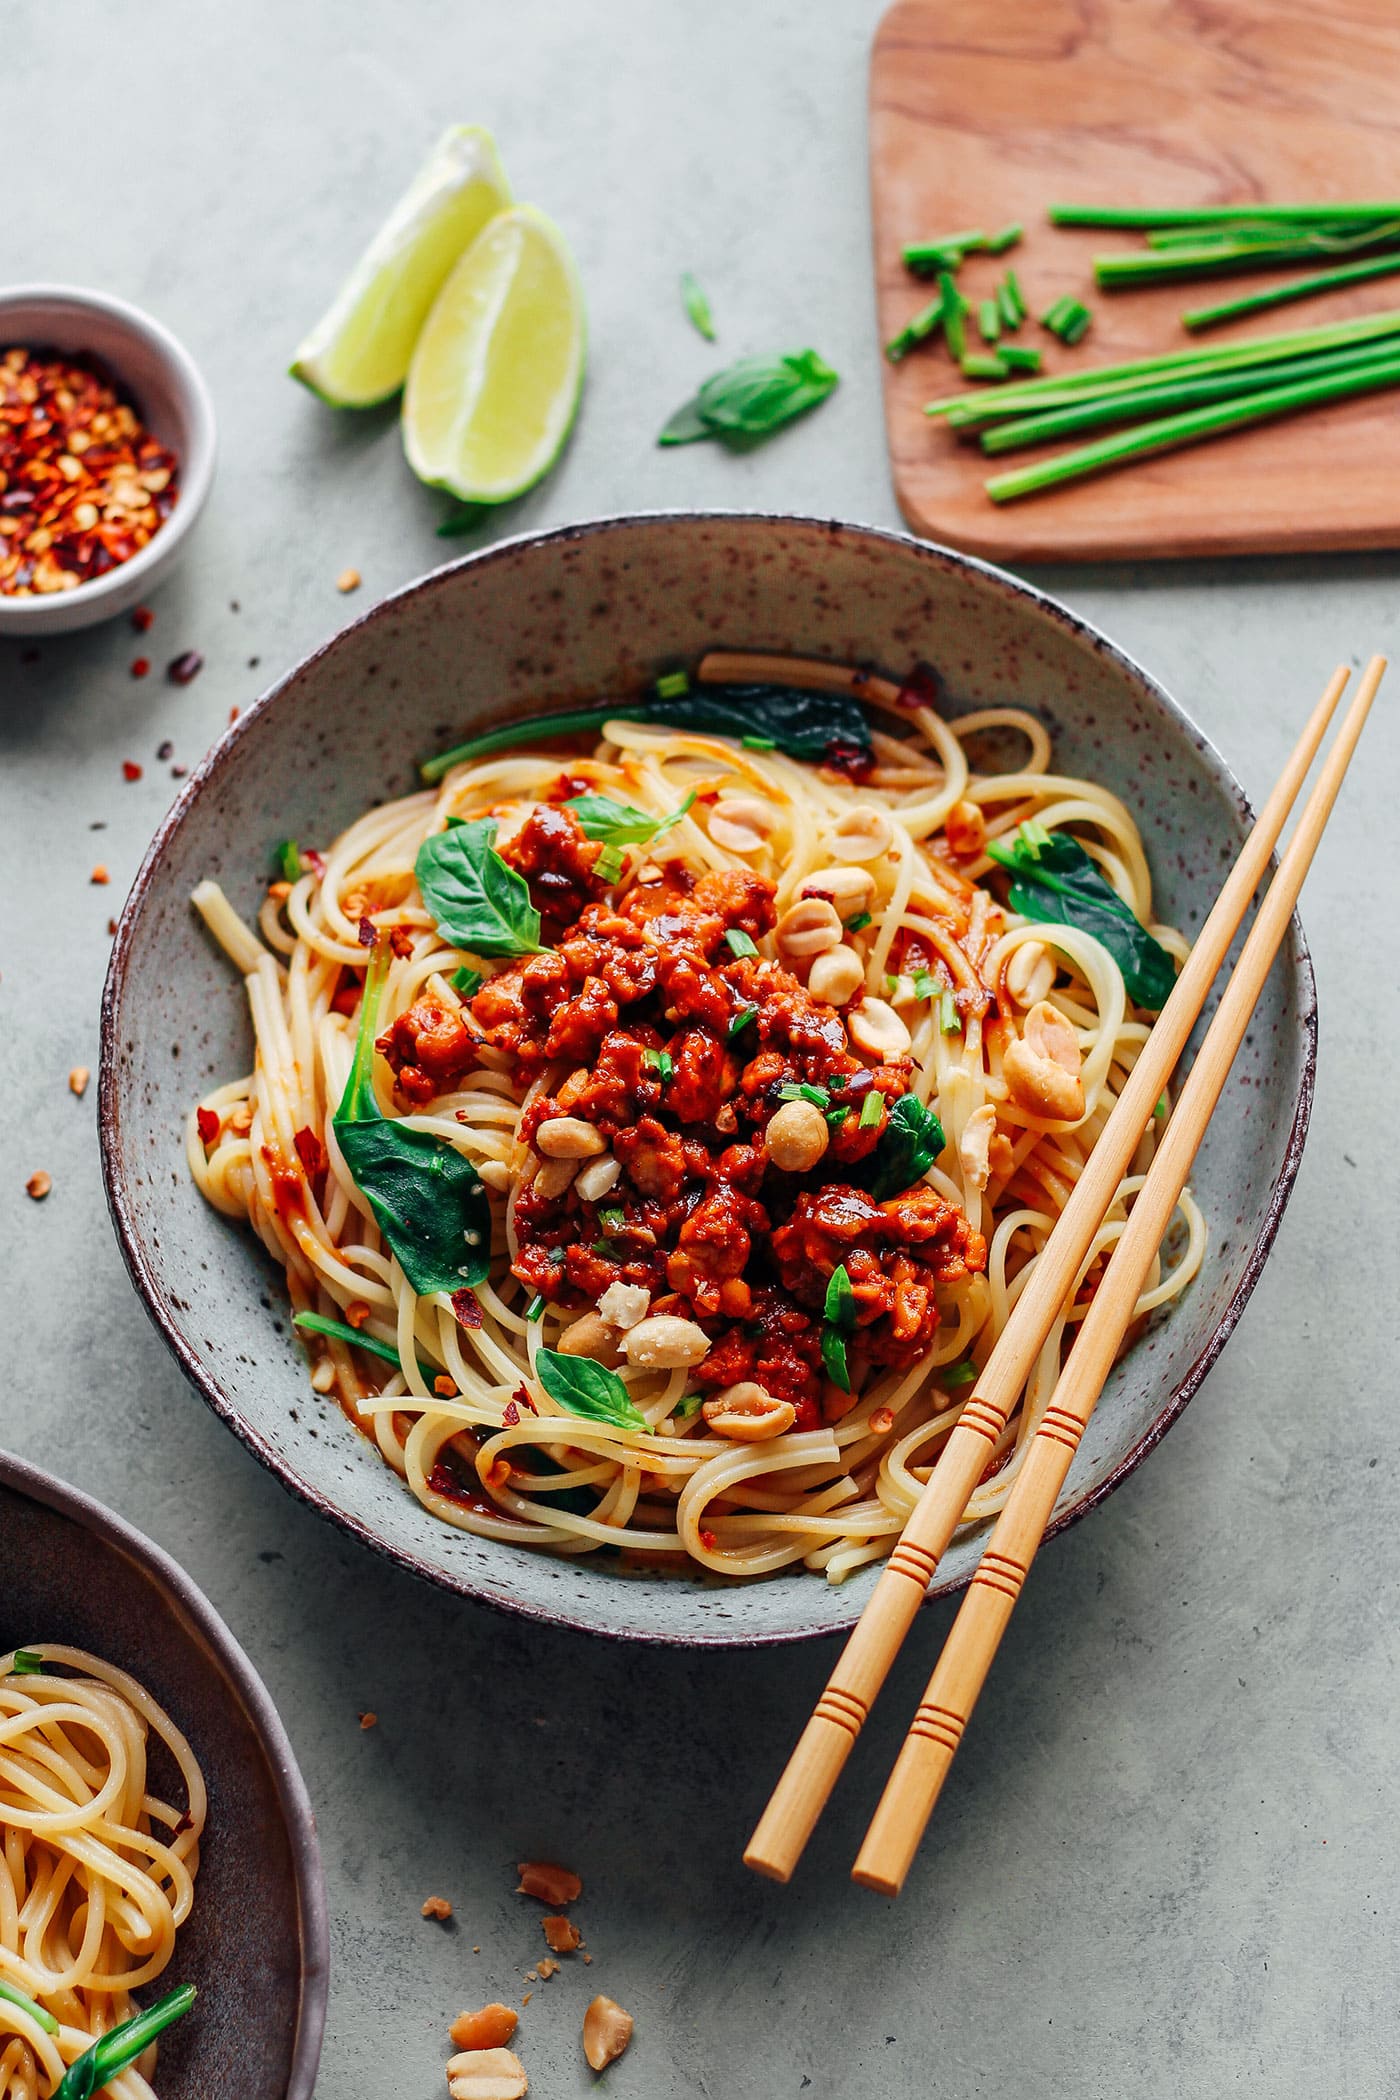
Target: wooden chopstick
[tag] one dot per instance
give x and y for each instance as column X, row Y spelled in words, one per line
column 937, row 1729
column 824, row 1745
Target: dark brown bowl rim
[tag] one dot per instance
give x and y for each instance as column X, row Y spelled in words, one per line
column 109, row 1115
column 313, row 1932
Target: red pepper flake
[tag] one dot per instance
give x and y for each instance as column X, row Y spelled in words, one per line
column 315, row 861
column 922, row 688
column 521, row 1398
column 209, row 1124
column 83, row 484
column 140, row 666
column 181, row 669
column 130, row 769
column 233, row 714
column 510, row 1414
column 466, row 1308
column 401, row 941
column 143, row 619
column 111, row 926
column 347, row 998
column 310, row 1151
column 708, row 1540
column 366, row 933
column 185, row 1823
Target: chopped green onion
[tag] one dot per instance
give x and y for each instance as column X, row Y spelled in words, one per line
column 759, row 743
column 691, row 1405
column 891, row 985
column 1283, row 294
column 1068, row 318
column 671, row 684
column 697, row 306
column 1206, row 258
column 989, row 320
column 608, row 866
column 612, row 1218
column 871, row 1109
column 466, row 983
column 740, row 1021
column 1134, row 219
column 955, row 312
column 798, row 1090
column 836, row 1116
column 1160, row 1110
column 840, row 1304
column 341, row 1331
column 983, row 364
column 660, row 1062
column 27, row 1663
column 859, row 923
column 962, row 1373
column 15, row 1996
column 924, row 325
column 286, row 859
column 120, row 2046
column 1034, row 836
column 834, row 1357
column 1019, row 357
column 925, row 984
column 535, row 1309
column 1005, row 237
column 740, row 942
column 949, row 1019
column 944, row 253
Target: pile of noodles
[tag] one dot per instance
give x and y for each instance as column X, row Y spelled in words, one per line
column 832, row 1498
column 96, row 1873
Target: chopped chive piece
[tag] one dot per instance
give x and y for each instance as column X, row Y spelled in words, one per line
column 925, row 324
column 1005, row 237
column 949, row 1019
column 740, row 942
column 834, row 1357
column 671, row 684
column 1068, row 318
column 759, row 743
column 660, row 1062
column 1008, row 313
column 925, row 984
column 740, row 1021
column 989, row 320
column 955, row 312
column 466, row 983
column 983, row 364
column 891, row 985
column 608, row 866
column 27, row 1664
column 691, row 1405
column 1011, row 285
column 927, row 258
column 871, row 1109
column 286, row 858
column 840, row 1305
column 1034, row 836
column 962, row 1373
column 836, row 1116
column 859, row 923
column 798, row 1090
column 1160, row 1111
column 697, row 306
column 535, row 1309
column 1019, row 357
column 15, row 1996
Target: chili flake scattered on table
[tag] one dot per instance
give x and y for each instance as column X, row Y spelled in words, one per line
column 83, row 484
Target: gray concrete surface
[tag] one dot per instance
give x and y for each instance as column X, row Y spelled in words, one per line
column 1167, row 1864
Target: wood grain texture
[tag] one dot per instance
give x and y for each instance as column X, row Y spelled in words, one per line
column 980, row 115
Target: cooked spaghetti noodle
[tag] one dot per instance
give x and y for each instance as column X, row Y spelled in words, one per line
column 96, row 1872
column 828, row 934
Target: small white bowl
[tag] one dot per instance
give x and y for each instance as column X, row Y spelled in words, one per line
column 171, row 399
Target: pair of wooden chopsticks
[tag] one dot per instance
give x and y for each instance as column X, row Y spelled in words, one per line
column 937, row 1728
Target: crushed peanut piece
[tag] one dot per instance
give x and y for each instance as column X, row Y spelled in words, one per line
column 99, row 875
column 348, row 580
column 356, row 1312
column 323, row 1375
column 563, row 1935
column 527, row 1997
column 548, row 1968
column 552, row 1884
column 38, row 1186
column 369, row 1720
column 588, row 1960
column 489, row 2028
column 487, row 2074
column 446, row 1389
column 78, row 1080
column 607, row 2030
column 437, row 1907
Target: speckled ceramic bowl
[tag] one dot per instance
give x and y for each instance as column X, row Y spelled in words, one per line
column 558, row 619
column 256, row 1941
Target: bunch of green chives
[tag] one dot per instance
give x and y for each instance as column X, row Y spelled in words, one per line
column 1177, row 399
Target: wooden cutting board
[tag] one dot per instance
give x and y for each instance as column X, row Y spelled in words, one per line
column 985, row 111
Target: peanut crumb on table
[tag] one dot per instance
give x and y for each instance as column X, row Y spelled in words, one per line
column 437, row 1907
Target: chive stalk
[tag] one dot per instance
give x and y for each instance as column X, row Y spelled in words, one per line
column 926, row 323
column 570, row 722
column 13, row 1995
column 1283, row 294
column 1212, row 258
column 342, row 1331
column 1131, row 219
column 1169, row 433
column 120, row 2046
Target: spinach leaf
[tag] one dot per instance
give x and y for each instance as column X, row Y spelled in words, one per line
column 913, row 1138
column 804, row 725
column 752, row 398
column 426, row 1196
column 480, row 901
column 1057, row 884
column 583, row 1387
column 619, row 824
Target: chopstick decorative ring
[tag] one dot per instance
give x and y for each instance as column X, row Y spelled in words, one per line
column 825, row 1744
column 938, row 1725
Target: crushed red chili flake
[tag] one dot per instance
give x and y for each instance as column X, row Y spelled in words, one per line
column 708, row 1539
column 922, row 688
column 466, row 1308
column 310, row 1151
column 143, row 619
column 140, row 666
column 366, row 933
column 83, row 484
column 209, row 1124
column 510, row 1414
column 181, row 669
column 130, row 769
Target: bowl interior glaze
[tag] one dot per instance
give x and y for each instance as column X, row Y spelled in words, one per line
column 590, row 611
column 255, row 1943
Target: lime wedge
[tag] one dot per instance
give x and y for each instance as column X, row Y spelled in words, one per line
column 495, row 379
column 359, row 352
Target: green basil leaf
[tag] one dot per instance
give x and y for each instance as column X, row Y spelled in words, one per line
column 910, row 1143
column 752, row 398
column 697, row 305
column 426, row 1196
column 480, row 901
column 802, row 724
column 834, row 1357
column 466, row 983
column 1057, row 884
column 583, row 1387
column 619, row 824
